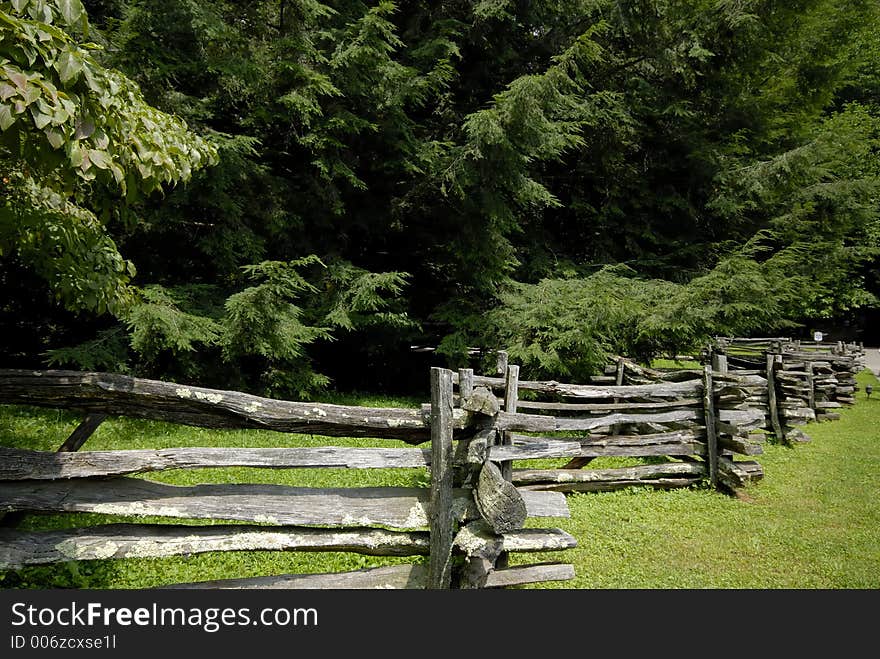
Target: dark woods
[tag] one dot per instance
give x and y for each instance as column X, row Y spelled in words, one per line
column 563, row 180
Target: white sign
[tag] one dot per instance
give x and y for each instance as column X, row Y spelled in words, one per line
column 817, row 336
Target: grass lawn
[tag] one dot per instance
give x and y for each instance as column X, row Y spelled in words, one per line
column 813, row 522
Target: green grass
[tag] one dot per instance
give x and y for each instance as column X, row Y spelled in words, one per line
column 812, row 522
column 675, row 363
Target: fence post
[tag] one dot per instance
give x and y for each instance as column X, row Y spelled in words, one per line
column 811, row 385
column 441, row 519
column 711, row 430
column 511, row 395
column 719, row 362
column 464, row 472
column 771, row 396
column 465, row 383
column 501, row 365
column 621, row 368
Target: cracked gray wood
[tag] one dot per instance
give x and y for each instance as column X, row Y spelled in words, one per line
column 392, row 577
column 389, row 577
column 610, row 486
column 710, row 423
column 114, row 541
column 20, row 548
column 22, row 464
column 683, row 442
column 500, row 504
column 607, row 407
column 660, row 391
column 440, row 515
column 481, row 401
column 396, row 507
column 524, row 574
column 108, row 393
column 635, row 473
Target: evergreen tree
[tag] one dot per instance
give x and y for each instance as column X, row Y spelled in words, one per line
column 453, row 171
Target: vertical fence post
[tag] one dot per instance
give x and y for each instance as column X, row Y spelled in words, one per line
column 771, row 397
column 711, row 430
column 621, row 369
column 776, row 347
column 464, row 473
column 465, row 383
column 811, row 385
column 719, row 362
column 511, row 395
column 501, row 365
column 441, row 520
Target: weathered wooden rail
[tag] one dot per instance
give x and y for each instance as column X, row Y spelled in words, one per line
column 466, row 522
column 806, row 381
column 110, row 393
column 792, row 382
column 697, row 425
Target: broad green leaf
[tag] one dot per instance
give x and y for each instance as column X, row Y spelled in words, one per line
column 35, row 9
column 93, row 84
column 75, row 153
column 84, row 128
column 32, row 94
column 60, row 116
column 40, row 120
column 56, row 139
column 71, row 10
column 6, row 90
column 68, row 66
column 6, row 117
column 118, row 174
column 20, row 80
column 30, row 53
column 100, row 159
column 101, row 140
column 18, row 5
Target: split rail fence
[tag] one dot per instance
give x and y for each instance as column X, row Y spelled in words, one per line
column 467, row 522
column 692, row 430
column 688, row 424
column 792, row 382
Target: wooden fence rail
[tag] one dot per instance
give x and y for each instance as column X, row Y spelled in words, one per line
column 697, row 425
column 477, row 436
column 792, row 382
column 463, row 522
column 806, row 381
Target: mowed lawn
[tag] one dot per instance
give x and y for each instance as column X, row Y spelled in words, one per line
column 812, row 522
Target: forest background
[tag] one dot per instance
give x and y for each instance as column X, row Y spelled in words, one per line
column 263, row 195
